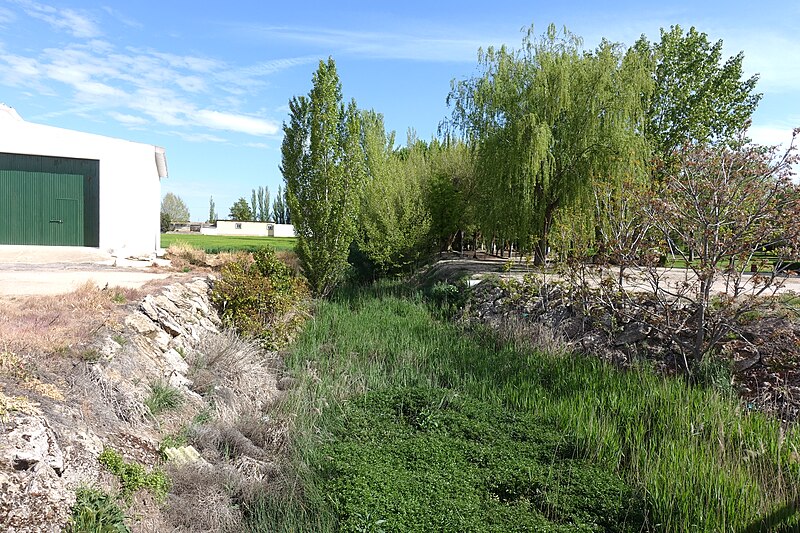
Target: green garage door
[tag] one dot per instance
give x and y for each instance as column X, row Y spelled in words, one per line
column 49, row 200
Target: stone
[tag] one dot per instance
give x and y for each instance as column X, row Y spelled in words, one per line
column 141, row 324
column 184, row 455
column 632, row 333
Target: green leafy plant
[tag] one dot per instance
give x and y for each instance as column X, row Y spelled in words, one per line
column 163, row 397
column 261, row 298
column 133, row 476
column 97, row 512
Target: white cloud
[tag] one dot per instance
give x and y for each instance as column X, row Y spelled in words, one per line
column 77, row 23
column 129, row 120
column 131, row 23
column 236, row 122
column 198, row 137
column 6, row 16
column 433, row 46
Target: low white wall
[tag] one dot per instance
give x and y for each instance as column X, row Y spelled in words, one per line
column 283, row 230
column 254, row 229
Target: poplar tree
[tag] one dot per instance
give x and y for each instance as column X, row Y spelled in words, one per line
column 323, row 167
column 546, row 122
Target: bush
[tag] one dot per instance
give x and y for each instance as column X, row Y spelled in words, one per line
column 261, row 298
column 133, row 476
column 97, row 512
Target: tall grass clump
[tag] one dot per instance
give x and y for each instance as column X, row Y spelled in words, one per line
column 698, row 460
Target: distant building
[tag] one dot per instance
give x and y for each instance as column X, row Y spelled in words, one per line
column 256, row 229
column 61, row 187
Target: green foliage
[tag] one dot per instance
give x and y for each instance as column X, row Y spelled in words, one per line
column 323, row 164
column 697, row 97
column 212, row 211
column 425, row 459
column 241, row 211
column 547, row 121
column 174, row 206
column 95, row 511
column 280, row 211
column 450, row 193
column 163, row 397
column 393, row 223
column 261, row 299
column 175, row 440
column 259, row 204
column 133, row 476
column 166, row 222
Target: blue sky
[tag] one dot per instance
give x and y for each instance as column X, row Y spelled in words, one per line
column 210, row 81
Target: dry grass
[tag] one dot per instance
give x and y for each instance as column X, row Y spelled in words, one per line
column 200, row 499
column 535, row 336
column 235, row 375
column 181, row 253
column 56, row 324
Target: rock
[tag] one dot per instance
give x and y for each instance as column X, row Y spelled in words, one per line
column 141, row 324
column 632, row 333
column 184, row 455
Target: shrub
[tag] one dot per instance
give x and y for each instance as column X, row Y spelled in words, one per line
column 261, row 298
column 95, row 511
column 133, row 476
column 163, row 397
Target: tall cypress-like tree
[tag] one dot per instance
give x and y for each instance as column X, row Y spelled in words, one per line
column 323, row 167
column 279, row 207
column 546, row 122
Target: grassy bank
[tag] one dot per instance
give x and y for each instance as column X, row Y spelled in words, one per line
column 690, row 457
column 213, row 244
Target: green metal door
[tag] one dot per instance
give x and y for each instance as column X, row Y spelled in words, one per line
column 48, row 200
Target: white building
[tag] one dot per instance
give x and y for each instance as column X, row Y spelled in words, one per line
column 255, row 229
column 69, row 188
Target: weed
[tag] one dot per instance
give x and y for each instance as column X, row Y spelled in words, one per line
column 90, row 355
column 133, row 476
column 163, row 397
column 119, row 339
column 95, row 511
column 119, row 298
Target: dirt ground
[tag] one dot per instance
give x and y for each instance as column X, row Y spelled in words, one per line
column 51, row 270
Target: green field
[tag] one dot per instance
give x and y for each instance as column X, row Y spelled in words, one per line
column 222, row 243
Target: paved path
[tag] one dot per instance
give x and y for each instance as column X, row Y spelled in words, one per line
column 41, row 270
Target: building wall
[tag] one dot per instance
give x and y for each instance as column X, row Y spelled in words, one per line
column 255, row 229
column 130, row 187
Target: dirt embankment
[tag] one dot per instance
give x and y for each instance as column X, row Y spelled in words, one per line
column 80, row 373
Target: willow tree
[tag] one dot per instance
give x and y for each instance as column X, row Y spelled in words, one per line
column 323, row 166
column 547, row 121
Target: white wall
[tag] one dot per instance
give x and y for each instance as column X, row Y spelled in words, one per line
column 283, row 230
column 254, row 229
column 130, row 188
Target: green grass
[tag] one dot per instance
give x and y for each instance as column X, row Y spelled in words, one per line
column 95, row 511
column 220, row 243
column 163, row 397
column 698, row 461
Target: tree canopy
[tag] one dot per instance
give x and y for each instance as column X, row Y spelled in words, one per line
column 697, row 97
column 323, row 165
column 546, row 121
column 240, row 211
column 173, row 206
